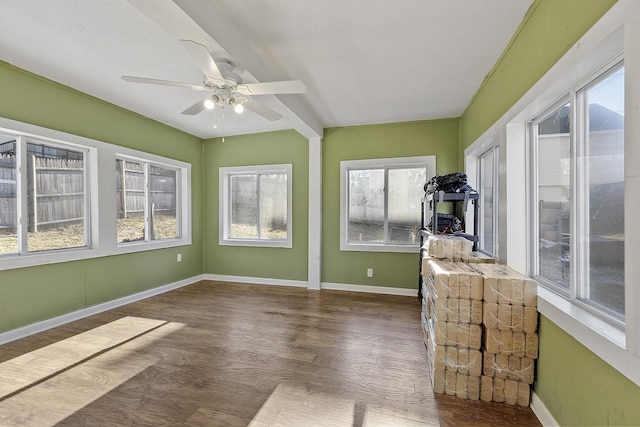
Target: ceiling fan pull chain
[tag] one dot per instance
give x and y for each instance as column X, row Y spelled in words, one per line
column 223, row 126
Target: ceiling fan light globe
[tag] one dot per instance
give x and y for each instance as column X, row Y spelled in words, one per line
column 209, row 104
column 238, row 108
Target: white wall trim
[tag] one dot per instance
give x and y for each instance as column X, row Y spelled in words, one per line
column 44, row 325
column 101, row 157
column 428, row 162
column 541, row 412
column 302, row 284
column 601, row 338
column 315, row 214
column 225, row 174
column 256, row 280
column 616, row 32
column 370, row 289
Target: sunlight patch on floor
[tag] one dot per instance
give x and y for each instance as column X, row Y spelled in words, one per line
column 292, row 405
column 382, row 417
column 43, row 387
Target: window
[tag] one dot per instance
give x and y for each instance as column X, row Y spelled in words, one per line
column 381, row 203
column 255, row 205
column 488, row 188
column 8, row 195
column 147, row 201
column 613, row 334
column 578, row 182
column 62, row 199
column 43, row 185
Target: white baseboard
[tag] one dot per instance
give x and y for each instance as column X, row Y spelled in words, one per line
column 537, row 405
column 304, row 284
column 256, row 280
column 540, row 410
column 35, row 328
column 370, row 289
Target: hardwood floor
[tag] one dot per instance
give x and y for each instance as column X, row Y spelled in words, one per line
column 221, row 354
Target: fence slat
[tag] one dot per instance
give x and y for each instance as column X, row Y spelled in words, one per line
column 55, row 192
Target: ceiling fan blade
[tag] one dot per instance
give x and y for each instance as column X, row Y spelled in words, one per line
column 261, row 110
column 145, row 80
column 272, row 88
column 203, row 59
column 195, row 108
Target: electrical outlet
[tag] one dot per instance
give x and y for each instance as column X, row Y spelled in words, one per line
column 179, row 258
column 369, row 272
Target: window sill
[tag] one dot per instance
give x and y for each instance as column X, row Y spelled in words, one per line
column 10, row 262
column 368, row 247
column 602, row 338
column 287, row 244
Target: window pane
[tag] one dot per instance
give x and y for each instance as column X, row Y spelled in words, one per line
column 366, row 205
column 406, row 189
column 553, row 180
column 8, row 196
column 130, row 201
column 55, row 198
column 244, row 207
column 487, row 186
column 162, row 196
column 602, row 168
column 273, row 206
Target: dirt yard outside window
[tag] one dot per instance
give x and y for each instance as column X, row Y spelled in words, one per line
column 72, row 236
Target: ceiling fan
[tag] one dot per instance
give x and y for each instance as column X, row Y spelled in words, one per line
column 225, row 85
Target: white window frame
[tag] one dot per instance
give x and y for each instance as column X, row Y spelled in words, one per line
column 100, row 187
column 147, row 166
column 616, row 32
column 579, row 196
column 22, row 140
column 428, row 162
column 492, row 151
column 473, row 158
column 225, row 173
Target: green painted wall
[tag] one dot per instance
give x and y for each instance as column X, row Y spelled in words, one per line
column 258, row 149
column 28, row 295
column 576, row 386
column 548, row 30
column 437, row 137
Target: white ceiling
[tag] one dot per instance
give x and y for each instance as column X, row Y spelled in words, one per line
column 362, row 61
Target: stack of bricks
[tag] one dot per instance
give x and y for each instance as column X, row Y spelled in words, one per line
column 448, row 247
column 452, row 318
column 510, row 321
column 480, row 323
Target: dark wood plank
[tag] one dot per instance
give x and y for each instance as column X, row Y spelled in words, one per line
column 238, row 354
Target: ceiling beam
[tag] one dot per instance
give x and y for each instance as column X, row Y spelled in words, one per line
column 210, row 16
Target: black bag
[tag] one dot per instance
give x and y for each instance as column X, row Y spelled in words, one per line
column 451, row 183
column 447, row 224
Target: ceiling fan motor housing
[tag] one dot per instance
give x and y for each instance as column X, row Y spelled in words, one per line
column 228, row 71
